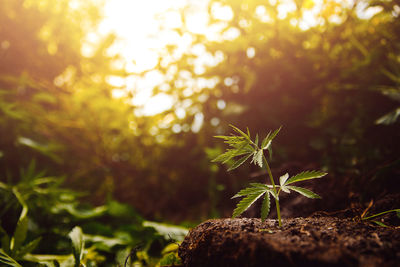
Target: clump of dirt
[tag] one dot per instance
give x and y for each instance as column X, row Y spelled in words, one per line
column 314, row 241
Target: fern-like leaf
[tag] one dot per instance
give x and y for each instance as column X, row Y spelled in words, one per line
column 305, row 192
column 245, row 203
column 240, row 132
column 307, row 175
column 283, row 179
column 257, row 158
column 250, row 190
column 259, row 185
column 265, row 208
column 224, row 157
column 239, row 162
column 266, row 143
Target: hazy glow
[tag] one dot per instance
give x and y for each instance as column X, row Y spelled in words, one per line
column 146, row 28
column 138, row 25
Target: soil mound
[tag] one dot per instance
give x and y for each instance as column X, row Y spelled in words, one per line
column 314, row 241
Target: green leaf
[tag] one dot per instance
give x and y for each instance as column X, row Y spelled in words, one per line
column 4, row 186
column 5, row 240
column 256, row 141
column 78, row 244
column 285, row 189
column 231, row 153
column 22, row 225
column 305, row 192
column 257, row 158
column 265, row 208
column 272, row 192
column 382, row 213
column 270, row 152
column 224, row 157
column 239, row 162
column 389, row 118
column 283, row 178
column 172, row 247
column 266, row 186
column 380, row 223
column 28, row 248
column 250, row 190
column 46, row 259
column 81, row 213
column 169, row 231
column 6, row 259
column 170, row 259
column 245, row 203
column 240, row 132
column 307, row 175
column 108, row 242
column 275, row 133
column 266, row 143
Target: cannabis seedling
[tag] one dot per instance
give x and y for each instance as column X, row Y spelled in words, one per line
column 243, row 148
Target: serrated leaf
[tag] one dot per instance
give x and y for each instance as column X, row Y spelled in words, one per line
column 268, row 139
column 257, row 158
column 225, row 137
column 266, row 187
column 239, row 162
column 250, row 190
column 275, row 133
column 272, row 192
column 259, row 185
column 267, row 145
column 283, row 179
column 245, row 203
column 223, row 157
column 307, row 175
column 78, row 244
column 266, row 142
column 305, row 192
column 265, row 207
column 285, row 189
column 240, row 132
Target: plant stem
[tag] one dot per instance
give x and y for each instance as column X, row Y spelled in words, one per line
column 278, row 210
column 379, row 214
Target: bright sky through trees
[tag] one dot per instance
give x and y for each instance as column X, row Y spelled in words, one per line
column 140, row 27
column 145, row 28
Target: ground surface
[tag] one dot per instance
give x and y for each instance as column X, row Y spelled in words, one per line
column 313, row 241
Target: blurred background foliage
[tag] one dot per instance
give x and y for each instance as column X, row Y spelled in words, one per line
column 333, row 83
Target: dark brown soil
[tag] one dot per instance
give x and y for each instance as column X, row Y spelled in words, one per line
column 314, row 241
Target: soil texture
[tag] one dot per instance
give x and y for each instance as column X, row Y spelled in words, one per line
column 314, row 241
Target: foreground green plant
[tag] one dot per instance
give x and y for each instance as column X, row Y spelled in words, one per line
column 243, row 147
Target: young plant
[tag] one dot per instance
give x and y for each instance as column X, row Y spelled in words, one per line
column 243, row 148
